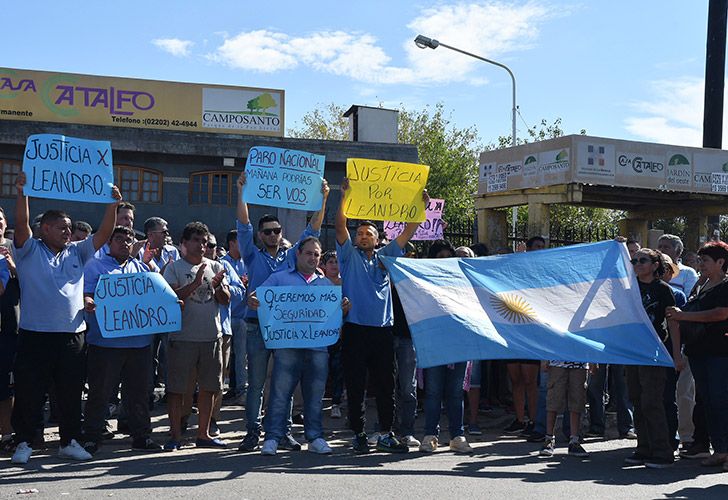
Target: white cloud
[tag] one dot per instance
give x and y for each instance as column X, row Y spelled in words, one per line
column 490, row 29
column 175, row 46
column 673, row 116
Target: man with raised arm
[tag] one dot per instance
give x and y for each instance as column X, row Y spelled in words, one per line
column 50, row 342
column 367, row 340
column 261, row 263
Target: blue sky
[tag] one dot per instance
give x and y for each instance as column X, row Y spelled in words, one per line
column 617, row 68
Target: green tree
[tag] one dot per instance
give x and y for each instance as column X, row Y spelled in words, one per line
column 326, row 122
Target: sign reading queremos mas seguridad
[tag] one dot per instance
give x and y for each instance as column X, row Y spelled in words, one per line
column 125, row 102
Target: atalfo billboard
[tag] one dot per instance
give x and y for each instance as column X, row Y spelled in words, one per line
column 610, row 162
column 125, row 102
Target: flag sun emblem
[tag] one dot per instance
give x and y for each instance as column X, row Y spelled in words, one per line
column 513, row 308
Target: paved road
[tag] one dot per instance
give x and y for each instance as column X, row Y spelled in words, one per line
column 501, row 467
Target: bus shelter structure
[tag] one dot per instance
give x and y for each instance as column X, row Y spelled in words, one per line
column 649, row 181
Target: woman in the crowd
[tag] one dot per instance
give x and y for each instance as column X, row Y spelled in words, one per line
column 703, row 324
column 646, row 384
column 444, row 383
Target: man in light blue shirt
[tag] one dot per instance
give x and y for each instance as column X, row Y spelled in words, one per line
column 367, row 339
column 260, row 263
column 309, row 366
column 238, row 360
column 125, row 359
column 50, row 340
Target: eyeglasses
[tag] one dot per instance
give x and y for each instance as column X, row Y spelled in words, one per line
column 211, row 245
column 163, row 231
column 272, row 230
column 641, row 260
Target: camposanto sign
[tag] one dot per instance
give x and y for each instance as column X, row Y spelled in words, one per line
column 124, row 102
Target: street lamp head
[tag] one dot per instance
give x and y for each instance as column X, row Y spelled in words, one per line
column 423, row 42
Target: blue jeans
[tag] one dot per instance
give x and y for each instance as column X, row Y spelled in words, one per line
column 239, row 355
column 711, row 379
column 443, row 383
column 257, row 371
column 310, row 367
column 617, row 391
column 406, row 393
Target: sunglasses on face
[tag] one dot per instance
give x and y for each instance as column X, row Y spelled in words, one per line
column 164, row 232
column 269, row 231
column 211, row 245
column 641, row 260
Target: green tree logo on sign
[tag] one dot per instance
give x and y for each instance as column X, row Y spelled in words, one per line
column 260, row 104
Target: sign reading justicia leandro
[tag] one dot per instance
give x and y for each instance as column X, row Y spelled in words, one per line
column 125, row 102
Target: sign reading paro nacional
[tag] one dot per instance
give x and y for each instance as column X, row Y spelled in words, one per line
column 607, row 162
column 124, row 102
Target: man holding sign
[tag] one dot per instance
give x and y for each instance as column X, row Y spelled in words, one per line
column 50, row 341
column 367, row 341
column 110, row 360
column 261, row 263
column 309, row 365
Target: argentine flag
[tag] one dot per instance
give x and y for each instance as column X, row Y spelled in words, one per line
column 576, row 303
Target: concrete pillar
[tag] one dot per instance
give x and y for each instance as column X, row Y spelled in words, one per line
column 696, row 231
column 538, row 220
column 634, row 227
column 293, row 223
column 493, row 229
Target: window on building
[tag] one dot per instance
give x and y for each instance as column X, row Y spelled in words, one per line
column 139, row 184
column 8, row 172
column 212, row 188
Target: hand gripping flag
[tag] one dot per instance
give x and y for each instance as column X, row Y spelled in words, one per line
column 575, row 303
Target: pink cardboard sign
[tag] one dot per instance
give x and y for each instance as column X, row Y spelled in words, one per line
column 430, row 229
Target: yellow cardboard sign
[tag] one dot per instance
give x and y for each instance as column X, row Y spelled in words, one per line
column 385, row 190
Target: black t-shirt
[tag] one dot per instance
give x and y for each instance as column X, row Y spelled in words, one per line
column 656, row 297
column 713, row 342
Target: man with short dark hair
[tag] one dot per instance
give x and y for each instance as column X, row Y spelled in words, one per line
column 50, row 342
column 155, row 229
column 367, row 339
column 195, row 351
column 261, row 263
column 126, row 359
column 81, row 230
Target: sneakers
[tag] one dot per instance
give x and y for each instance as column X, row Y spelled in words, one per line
column 628, row 435
column 214, row 430
column 335, row 411
column 289, row 443
column 695, row 451
column 22, row 453
column 372, row 440
column 74, row 451
column 515, row 428
column 547, row 450
column 145, row 444
column 389, row 443
column 714, row 460
column 210, row 443
column 536, row 437
column 577, row 450
column 459, row 444
column 410, row 441
column 429, row 444
column 474, row 430
column 320, row 446
column 249, row 442
column 270, row 447
column 635, row 459
column 172, row 445
column 527, row 430
column 360, row 444
column 658, row 463
column 92, row 447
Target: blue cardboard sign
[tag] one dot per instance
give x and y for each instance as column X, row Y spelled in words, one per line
column 132, row 304
column 299, row 317
column 68, row 168
column 284, row 178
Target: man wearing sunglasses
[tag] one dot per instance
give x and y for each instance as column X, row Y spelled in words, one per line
column 159, row 253
column 261, row 263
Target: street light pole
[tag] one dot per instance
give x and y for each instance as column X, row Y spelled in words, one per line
column 424, row 42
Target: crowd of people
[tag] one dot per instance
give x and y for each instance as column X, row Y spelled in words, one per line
column 51, row 346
